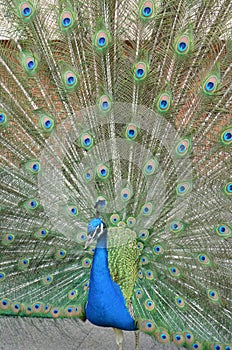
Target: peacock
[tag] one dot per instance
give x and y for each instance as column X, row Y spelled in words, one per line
column 116, row 134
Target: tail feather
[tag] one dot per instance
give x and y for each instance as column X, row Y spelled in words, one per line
column 127, row 103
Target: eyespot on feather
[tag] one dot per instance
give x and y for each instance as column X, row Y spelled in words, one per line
column 47, row 280
column 37, row 307
column 69, row 77
column 189, row 338
column 180, row 302
column 147, row 326
column 15, row 307
column 104, row 104
column 86, row 140
column 140, row 71
column 213, row 296
column 8, row 239
column 203, row 259
column 178, row 339
column 3, row 119
column 73, row 294
column 183, row 45
column 31, row 204
column 126, row 194
column 162, row 336
column 30, row 62
column 114, row 219
column 174, row 271
column 147, row 209
column 33, row 167
column 151, row 167
column 5, row 303
column 197, row 346
column 26, row 10
column 183, row 188
column 164, row 102
column 223, row 230
column 23, row 263
column 226, row 137
column 103, row 172
column 101, row 40
column 147, row 10
column 72, row 210
column 41, row 233
column 149, row 305
column 2, row 276
column 131, row 132
column 176, row 227
column 183, row 147
column 61, row 254
column 143, row 235
column 55, row 312
column 86, row 263
column 131, row 221
column 46, row 123
column 210, row 85
column 158, row 249
column 138, row 293
column 66, row 21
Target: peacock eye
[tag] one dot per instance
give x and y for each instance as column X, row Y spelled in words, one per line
column 140, row 71
column 103, row 172
column 26, row 11
column 151, row 167
column 131, row 132
column 182, row 46
column 46, row 123
column 163, row 103
column 66, row 21
column 147, row 10
column 31, row 64
column 101, row 40
column 69, row 77
column 86, row 141
column 210, row 85
column 2, row 118
column 35, row 167
column 71, row 80
column 226, row 137
column 104, row 104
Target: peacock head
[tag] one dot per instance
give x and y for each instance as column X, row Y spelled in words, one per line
column 96, row 228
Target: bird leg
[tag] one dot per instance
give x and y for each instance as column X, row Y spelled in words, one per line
column 136, row 340
column 118, row 333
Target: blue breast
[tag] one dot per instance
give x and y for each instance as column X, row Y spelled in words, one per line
column 106, row 304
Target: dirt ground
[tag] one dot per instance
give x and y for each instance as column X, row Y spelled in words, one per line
column 37, row 334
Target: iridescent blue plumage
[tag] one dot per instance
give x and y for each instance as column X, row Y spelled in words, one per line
column 106, row 305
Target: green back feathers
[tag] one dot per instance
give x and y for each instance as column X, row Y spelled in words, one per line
column 123, row 259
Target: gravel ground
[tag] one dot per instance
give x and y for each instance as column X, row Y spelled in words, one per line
column 47, row 334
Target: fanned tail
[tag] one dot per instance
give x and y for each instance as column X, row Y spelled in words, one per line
column 128, row 103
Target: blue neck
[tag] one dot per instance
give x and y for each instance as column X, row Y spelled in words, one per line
column 102, row 241
column 106, row 305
